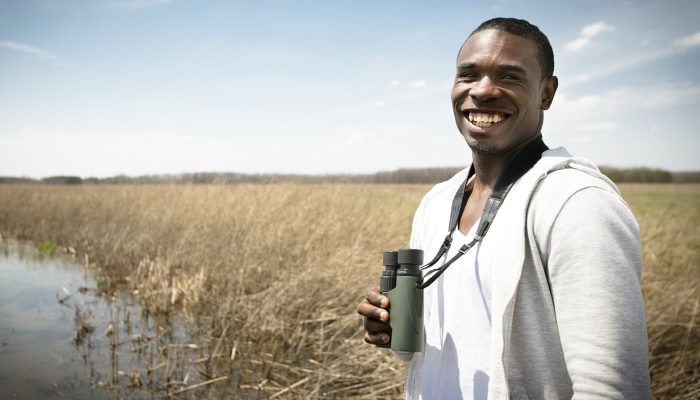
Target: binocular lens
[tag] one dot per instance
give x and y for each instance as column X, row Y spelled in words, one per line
column 391, row 258
column 410, row 256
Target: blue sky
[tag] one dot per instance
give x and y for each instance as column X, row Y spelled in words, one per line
column 105, row 87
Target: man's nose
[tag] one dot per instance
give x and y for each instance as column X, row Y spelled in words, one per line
column 484, row 89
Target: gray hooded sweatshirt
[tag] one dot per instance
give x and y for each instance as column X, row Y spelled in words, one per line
column 568, row 316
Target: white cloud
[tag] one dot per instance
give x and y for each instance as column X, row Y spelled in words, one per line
column 656, row 96
column 664, row 95
column 41, row 153
column 628, row 58
column 601, row 125
column 689, row 41
column 395, row 83
column 596, row 28
column 27, row 49
column 379, row 104
column 587, row 34
column 622, row 63
column 578, row 44
column 418, row 84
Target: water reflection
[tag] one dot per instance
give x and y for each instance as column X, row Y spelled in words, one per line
column 62, row 336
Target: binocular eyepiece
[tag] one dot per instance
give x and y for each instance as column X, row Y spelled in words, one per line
column 399, row 283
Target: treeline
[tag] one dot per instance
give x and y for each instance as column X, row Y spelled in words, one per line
column 638, row 175
column 403, row 175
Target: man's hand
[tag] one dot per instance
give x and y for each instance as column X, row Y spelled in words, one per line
column 373, row 309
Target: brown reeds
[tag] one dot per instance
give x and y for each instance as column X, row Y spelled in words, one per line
column 272, row 274
column 668, row 216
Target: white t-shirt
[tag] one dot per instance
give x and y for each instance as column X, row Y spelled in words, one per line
column 458, row 327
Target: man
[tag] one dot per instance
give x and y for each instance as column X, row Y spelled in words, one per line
column 547, row 305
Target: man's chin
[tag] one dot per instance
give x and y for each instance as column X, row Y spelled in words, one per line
column 481, row 148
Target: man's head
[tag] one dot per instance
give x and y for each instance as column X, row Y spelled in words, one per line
column 503, row 83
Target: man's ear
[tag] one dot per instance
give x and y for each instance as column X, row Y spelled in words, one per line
column 549, row 88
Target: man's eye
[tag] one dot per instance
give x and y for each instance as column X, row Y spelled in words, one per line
column 468, row 75
column 509, row 77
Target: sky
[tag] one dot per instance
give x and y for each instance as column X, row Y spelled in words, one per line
column 107, row 87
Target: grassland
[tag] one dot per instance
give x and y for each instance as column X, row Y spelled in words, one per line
column 276, row 271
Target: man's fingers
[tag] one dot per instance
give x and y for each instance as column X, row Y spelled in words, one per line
column 376, row 338
column 377, row 299
column 375, row 317
column 370, row 311
column 374, row 326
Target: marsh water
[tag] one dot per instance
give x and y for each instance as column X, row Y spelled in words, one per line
column 62, row 336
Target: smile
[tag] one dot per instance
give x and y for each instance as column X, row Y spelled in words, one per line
column 485, row 119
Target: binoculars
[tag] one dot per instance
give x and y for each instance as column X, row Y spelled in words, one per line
column 399, row 283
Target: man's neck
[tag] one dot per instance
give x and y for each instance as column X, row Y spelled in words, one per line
column 487, row 167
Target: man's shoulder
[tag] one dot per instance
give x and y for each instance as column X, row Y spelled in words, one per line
column 563, row 174
column 564, row 179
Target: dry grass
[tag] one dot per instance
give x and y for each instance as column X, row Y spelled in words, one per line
column 272, row 273
column 669, row 216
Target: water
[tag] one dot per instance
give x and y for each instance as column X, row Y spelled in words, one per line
column 62, row 337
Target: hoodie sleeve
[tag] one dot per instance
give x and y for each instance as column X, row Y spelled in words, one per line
column 594, row 262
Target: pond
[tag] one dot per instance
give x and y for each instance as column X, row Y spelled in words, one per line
column 62, row 336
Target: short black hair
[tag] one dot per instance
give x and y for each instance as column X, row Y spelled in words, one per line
column 524, row 29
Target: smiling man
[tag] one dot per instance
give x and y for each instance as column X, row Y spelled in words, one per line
column 535, row 291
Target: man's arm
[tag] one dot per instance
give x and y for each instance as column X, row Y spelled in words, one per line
column 594, row 262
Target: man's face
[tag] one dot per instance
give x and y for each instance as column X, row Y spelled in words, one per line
column 499, row 94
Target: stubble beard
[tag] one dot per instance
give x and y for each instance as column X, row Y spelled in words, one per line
column 481, row 149
column 476, row 145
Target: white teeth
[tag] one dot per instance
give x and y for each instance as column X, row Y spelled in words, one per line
column 483, row 119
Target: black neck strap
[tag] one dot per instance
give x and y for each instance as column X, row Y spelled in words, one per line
column 516, row 167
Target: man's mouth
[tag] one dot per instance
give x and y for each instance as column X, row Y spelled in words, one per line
column 485, row 119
